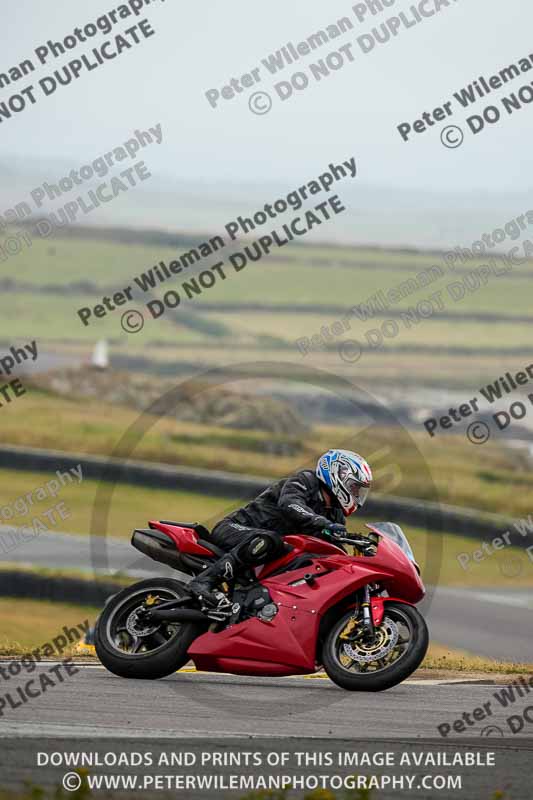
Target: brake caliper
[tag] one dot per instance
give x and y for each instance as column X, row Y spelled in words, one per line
column 151, row 600
column 348, row 628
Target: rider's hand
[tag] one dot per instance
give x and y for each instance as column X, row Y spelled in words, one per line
column 337, row 531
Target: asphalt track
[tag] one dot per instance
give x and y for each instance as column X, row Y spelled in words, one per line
column 94, row 703
column 490, row 623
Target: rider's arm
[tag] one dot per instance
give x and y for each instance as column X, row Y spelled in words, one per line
column 293, row 500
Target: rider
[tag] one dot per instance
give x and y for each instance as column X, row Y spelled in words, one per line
column 307, row 502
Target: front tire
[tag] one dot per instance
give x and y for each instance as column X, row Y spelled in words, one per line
column 130, row 650
column 350, row 666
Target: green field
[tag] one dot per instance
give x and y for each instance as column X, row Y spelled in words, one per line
column 132, row 506
column 289, row 327
column 53, row 318
column 296, row 275
column 63, row 261
column 78, row 272
column 488, row 478
column 299, row 284
column 129, row 507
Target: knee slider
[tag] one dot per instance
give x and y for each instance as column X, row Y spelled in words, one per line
column 260, row 549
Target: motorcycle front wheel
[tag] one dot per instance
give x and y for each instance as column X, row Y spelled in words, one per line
column 132, row 649
column 398, row 649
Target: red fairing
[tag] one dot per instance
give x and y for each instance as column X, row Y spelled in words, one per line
column 403, row 579
column 185, row 539
column 287, row 644
column 377, row 605
column 300, row 544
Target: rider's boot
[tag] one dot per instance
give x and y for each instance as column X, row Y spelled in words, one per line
column 204, row 585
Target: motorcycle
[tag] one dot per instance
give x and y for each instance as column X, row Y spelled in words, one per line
column 343, row 604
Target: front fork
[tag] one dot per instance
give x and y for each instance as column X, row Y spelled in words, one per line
column 364, row 620
column 368, row 622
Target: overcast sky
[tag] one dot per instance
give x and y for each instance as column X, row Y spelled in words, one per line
column 200, row 45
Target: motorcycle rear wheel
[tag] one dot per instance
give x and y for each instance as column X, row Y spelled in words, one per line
column 402, row 660
column 131, row 650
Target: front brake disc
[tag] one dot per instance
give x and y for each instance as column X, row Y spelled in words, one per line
column 386, row 638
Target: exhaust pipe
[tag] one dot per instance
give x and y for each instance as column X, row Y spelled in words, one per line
column 178, row 615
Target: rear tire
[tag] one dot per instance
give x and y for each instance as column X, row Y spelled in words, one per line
column 156, row 655
column 387, row 676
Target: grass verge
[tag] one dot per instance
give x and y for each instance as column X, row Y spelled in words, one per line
column 441, row 659
column 27, row 624
column 404, row 461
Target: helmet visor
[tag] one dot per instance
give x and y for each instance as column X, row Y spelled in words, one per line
column 358, row 491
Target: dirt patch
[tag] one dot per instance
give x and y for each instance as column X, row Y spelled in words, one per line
column 196, row 402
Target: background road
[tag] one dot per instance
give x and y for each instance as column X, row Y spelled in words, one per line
column 465, row 619
column 486, row 622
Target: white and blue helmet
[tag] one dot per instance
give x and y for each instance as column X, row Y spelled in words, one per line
column 347, row 475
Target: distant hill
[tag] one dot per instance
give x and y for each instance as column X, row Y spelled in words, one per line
column 378, row 215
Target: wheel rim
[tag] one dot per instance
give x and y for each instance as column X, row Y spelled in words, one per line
column 394, row 639
column 128, row 635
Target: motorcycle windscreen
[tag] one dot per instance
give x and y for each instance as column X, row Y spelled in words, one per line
column 395, row 533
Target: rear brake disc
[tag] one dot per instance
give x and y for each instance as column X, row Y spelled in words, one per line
column 136, row 628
